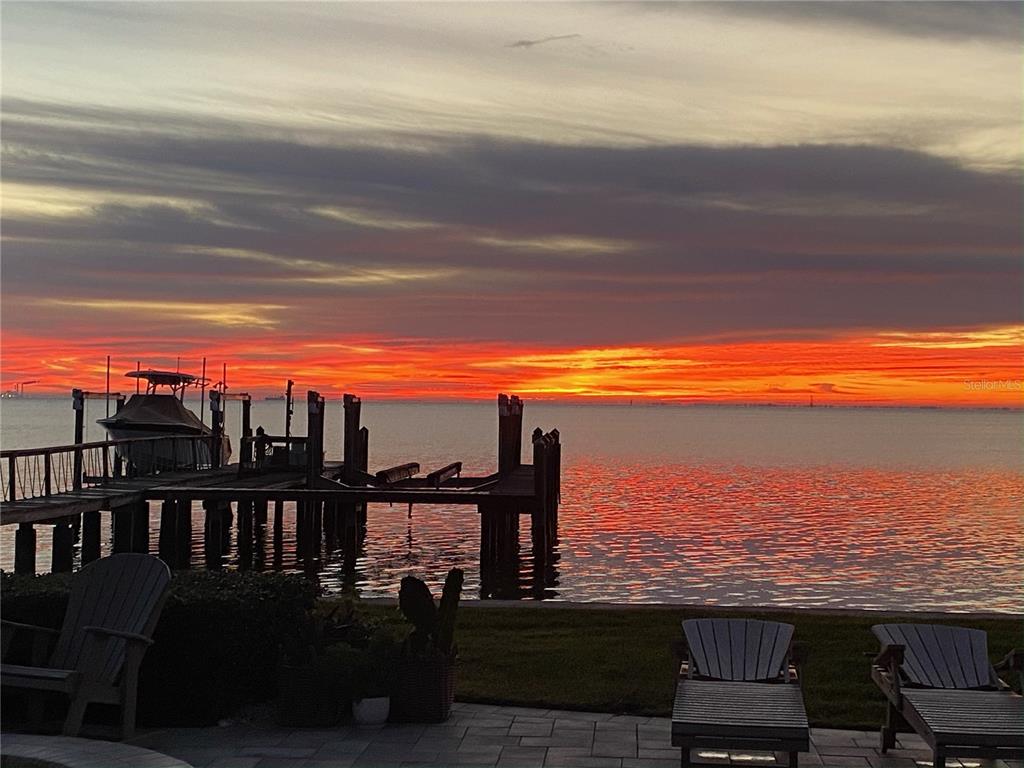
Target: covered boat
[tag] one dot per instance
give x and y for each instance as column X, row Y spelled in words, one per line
column 156, row 414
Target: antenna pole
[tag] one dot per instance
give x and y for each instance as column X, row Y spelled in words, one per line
column 108, row 387
column 202, row 393
column 288, row 410
column 224, row 378
column 138, row 369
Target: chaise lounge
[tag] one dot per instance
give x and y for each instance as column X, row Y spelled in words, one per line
column 738, row 689
column 939, row 681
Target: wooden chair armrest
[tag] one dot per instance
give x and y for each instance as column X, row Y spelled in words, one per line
column 1011, row 662
column 798, row 653
column 681, row 654
column 132, row 636
column 92, row 662
column 30, row 627
column 40, row 641
column 891, row 656
column 885, row 671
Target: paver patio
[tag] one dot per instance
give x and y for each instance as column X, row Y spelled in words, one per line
column 512, row 737
column 72, row 752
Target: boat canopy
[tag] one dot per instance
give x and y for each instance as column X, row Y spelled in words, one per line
column 176, row 381
column 157, row 413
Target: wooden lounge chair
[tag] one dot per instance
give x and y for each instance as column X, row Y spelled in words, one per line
column 737, row 689
column 939, row 681
column 112, row 610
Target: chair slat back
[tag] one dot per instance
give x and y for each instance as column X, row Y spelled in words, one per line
column 937, row 656
column 123, row 592
column 738, row 649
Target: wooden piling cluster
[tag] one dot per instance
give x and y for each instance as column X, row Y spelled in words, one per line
column 510, row 433
column 330, row 499
column 499, row 517
column 349, row 517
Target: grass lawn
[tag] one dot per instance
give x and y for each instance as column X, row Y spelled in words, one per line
column 619, row 659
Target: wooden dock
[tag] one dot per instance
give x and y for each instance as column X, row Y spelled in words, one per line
column 68, row 486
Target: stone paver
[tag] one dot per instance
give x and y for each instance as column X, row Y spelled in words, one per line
column 482, row 735
column 85, row 753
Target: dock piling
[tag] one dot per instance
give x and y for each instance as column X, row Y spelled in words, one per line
column 183, row 534
column 140, row 527
column 351, row 515
column 121, row 521
column 63, row 547
column 167, row 538
column 217, row 428
column 25, row 549
column 213, row 535
column 278, row 527
column 245, row 533
column 510, row 433
column 90, row 536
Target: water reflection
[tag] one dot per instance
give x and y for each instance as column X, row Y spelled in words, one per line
column 845, row 537
column 854, row 509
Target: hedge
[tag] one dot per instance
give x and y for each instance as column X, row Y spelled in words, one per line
column 216, row 645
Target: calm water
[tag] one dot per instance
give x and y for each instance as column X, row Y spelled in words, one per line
column 855, row 508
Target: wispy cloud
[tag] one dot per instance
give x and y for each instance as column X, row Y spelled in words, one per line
column 558, row 244
column 676, row 241
column 230, row 314
column 541, row 41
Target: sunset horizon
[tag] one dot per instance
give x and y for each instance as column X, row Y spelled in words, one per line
column 962, row 370
column 686, row 202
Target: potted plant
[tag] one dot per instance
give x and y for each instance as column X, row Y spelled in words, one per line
column 306, row 696
column 425, row 671
column 373, row 678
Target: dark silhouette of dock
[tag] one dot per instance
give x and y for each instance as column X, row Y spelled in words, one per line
column 67, row 487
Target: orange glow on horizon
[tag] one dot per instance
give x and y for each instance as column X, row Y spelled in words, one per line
column 957, row 368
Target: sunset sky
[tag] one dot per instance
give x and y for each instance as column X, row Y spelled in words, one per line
column 723, row 202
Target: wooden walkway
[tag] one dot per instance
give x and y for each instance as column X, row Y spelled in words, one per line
column 224, row 484
column 518, row 487
column 119, row 493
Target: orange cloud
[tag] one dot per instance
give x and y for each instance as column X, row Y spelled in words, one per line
column 978, row 368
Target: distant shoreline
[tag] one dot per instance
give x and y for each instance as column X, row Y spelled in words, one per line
column 540, row 402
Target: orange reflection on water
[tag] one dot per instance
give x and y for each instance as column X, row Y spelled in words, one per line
column 853, row 537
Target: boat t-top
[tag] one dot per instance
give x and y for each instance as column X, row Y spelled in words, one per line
column 158, row 414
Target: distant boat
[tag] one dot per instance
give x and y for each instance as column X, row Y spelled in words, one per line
column 275, row 397
column 162, row 415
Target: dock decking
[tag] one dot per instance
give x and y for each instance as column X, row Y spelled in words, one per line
column 118, row 493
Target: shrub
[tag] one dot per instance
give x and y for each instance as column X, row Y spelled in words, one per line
column 216, row 645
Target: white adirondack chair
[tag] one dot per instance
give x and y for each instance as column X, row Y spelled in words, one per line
column 738, row 689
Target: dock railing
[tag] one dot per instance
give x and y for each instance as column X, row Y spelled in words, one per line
column 263, row 453
column 32, row 473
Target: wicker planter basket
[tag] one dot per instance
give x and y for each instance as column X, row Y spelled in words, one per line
column 424, row 690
